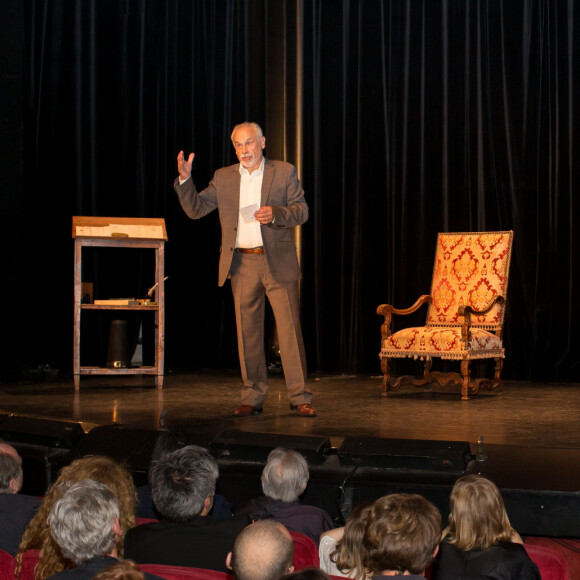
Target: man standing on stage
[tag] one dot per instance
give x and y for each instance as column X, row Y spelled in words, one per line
column 259, row 201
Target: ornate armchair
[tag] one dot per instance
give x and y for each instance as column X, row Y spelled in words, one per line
column 465, row 314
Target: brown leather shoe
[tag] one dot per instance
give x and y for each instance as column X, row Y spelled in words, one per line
column 246, row 411
column 304, row 410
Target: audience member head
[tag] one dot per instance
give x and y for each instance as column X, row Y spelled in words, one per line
column 349, row 554
column 84, row 522
column 166, row 442
column 263, row 550
column 285, row 475
column 478, row 518
column 122, row 570
column 183, row 483
column 37, row 535
column 307, row 574
column 402, row 534
column 10, row 469
column 7, row 448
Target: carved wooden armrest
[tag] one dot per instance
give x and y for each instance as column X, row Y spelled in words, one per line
column 387, row 311
column 466, row 311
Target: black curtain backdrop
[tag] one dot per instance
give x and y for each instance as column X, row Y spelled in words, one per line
column 440, row 116
column 418, row 117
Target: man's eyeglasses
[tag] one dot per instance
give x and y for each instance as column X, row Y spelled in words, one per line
column 248, row 143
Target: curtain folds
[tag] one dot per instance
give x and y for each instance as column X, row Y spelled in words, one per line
column 441, row 116
column 418, row 117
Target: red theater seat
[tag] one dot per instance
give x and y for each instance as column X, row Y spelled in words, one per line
column 305, row 552
column 6, row 566
column 183, row 573
column 141, row 521
column 567, row 547
column 552, row 565
column 29, row 561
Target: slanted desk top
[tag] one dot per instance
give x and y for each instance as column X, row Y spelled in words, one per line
column 119, row 228
column 111, row 232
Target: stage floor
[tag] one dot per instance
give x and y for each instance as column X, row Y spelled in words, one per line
column 526, row 414
column 531, row 440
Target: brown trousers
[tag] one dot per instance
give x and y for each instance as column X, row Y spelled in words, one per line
column 251, row 282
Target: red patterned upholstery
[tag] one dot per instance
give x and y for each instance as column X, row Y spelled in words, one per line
column 465, row 315
column 446, row 343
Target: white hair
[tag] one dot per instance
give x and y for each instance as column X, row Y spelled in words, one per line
column 82, row 521
column 246, row 124
column 285, row 475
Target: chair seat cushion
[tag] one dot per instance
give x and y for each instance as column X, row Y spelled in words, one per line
column 441, row 342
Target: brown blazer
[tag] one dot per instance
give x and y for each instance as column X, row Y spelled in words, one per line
column 281, row 189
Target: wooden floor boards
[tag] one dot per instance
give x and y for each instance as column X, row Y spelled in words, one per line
column 536, row 415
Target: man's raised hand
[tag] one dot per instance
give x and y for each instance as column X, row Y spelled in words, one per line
column 183, row 166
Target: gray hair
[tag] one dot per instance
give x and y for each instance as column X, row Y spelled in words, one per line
column 82, row 521
column 285, row 475
column 10, row 469
column 263, row 550
column 181, row 481
column 247, row 124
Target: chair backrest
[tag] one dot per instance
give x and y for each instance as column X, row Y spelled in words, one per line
column 305, row 556
column 470, row 269
column 305, row 552
column 141, row 521
column 6, row 566
column 551, row 564
column 183, row 573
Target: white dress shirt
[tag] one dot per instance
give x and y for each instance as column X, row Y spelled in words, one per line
column 249, row 233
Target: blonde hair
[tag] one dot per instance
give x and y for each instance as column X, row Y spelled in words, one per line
column 37, row 534
column 348, row 555
column 478, row 518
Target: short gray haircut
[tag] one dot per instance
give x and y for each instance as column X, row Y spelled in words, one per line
column 285, row 475
column 263, row 550
column 181, row 481
column 82, row 521
column 9, row 469
column 247, row 124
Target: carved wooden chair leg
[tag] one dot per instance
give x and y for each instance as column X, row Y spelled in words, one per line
column 497, row 373
column 466, row 377
column 427, row 370
column 386, row 377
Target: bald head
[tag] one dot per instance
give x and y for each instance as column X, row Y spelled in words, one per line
column 263, row 551
column 10, row 469
column 9, row 450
